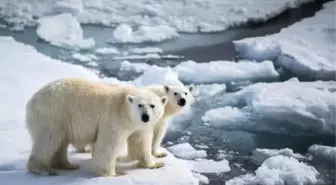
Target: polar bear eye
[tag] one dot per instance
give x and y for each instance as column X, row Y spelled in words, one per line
column 152, row 106
column 140, row 105
column 175, row 93
column 186, row 94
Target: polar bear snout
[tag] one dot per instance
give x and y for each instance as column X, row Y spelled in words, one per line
column 145, row 117
column 181, row 102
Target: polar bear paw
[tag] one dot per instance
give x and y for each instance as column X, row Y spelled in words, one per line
column 113, row 174
column 160, row 154
column 153, row 166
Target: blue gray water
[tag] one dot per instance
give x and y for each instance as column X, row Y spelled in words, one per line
column 203, row 48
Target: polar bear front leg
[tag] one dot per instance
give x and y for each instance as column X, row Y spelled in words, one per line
column 159, row 133
column 106, row 149
column 145, row 144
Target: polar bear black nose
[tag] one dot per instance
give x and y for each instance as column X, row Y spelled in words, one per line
column 145, row 118
column 181, row 102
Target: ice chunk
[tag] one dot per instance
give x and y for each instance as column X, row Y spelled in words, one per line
column 323, row 152
column 137, row 57
column 133, row 67
column 210, row 166
column 106, row 51
column 225, row 71
column 306, row 48
column 146, row 50
column 186, row 151
column 73, row 7
column 157, row 75
column 124, row 33
column 225, row 115
column 286, row 107
column 203, row 179
column 84, row 57
column 23, row 72
column 63, row 30
column 279, row 170
column 260, row 155
column 208, row 90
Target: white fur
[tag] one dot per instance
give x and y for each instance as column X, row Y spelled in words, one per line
column 82, row 112
column 137, row 141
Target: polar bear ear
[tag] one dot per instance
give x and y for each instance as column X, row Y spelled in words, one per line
column 164, row 100
column 191, row 87
column 166, row 88
column 130, row 98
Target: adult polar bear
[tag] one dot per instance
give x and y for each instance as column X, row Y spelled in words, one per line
column 74, row 110
column 179, row 98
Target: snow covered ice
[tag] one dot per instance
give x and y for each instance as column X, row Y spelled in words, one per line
column 260, row 155
column 26, row 70
column 279, row 170
column 307, row 48
column 125, row 34
column 286, row 107
column 63, row 30
column 187, row 16
column 186, row 151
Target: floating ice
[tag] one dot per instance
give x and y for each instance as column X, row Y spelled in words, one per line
column 260, row 155
column 210, row 166
column 106, row 51
column 307, row 48
column 84, row 57
column 63, row 30
column 224, row 71
column 124, row 33
column 186, row 151
column 24, row 72
column 279, row 170
column 287, row 107
column 225, row 115
column 203, row 179
column 146, row 50
column 133, row 67
column 323, row 152
column 187, row 16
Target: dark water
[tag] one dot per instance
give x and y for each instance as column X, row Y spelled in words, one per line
column 203, row 48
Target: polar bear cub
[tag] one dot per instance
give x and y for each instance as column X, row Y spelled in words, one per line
column 179, row 99
column 79, row 111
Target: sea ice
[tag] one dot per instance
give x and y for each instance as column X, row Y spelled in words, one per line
column 286, row 107
column 84, row 57
column 260, row 155
column 146, row 50
column 279, row 170
column 210, row 166
column 63, row 30
column 306, row 48
column 124, row 33
column 186, row 151
column 107, row 50
column 186, row 16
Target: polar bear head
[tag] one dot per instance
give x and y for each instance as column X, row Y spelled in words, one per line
column 146, row 108
column 179, row 97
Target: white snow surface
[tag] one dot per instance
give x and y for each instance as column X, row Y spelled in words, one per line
column 307, row 47
column 286, row 107
column 186, row 151
column 25, row 71
column 260, row 155
column 63, row 30
column 125, row 34
column 323, row 152
column 187, row 16
column 279, row 170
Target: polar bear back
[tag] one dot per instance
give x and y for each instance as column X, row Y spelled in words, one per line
column 77, row 107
